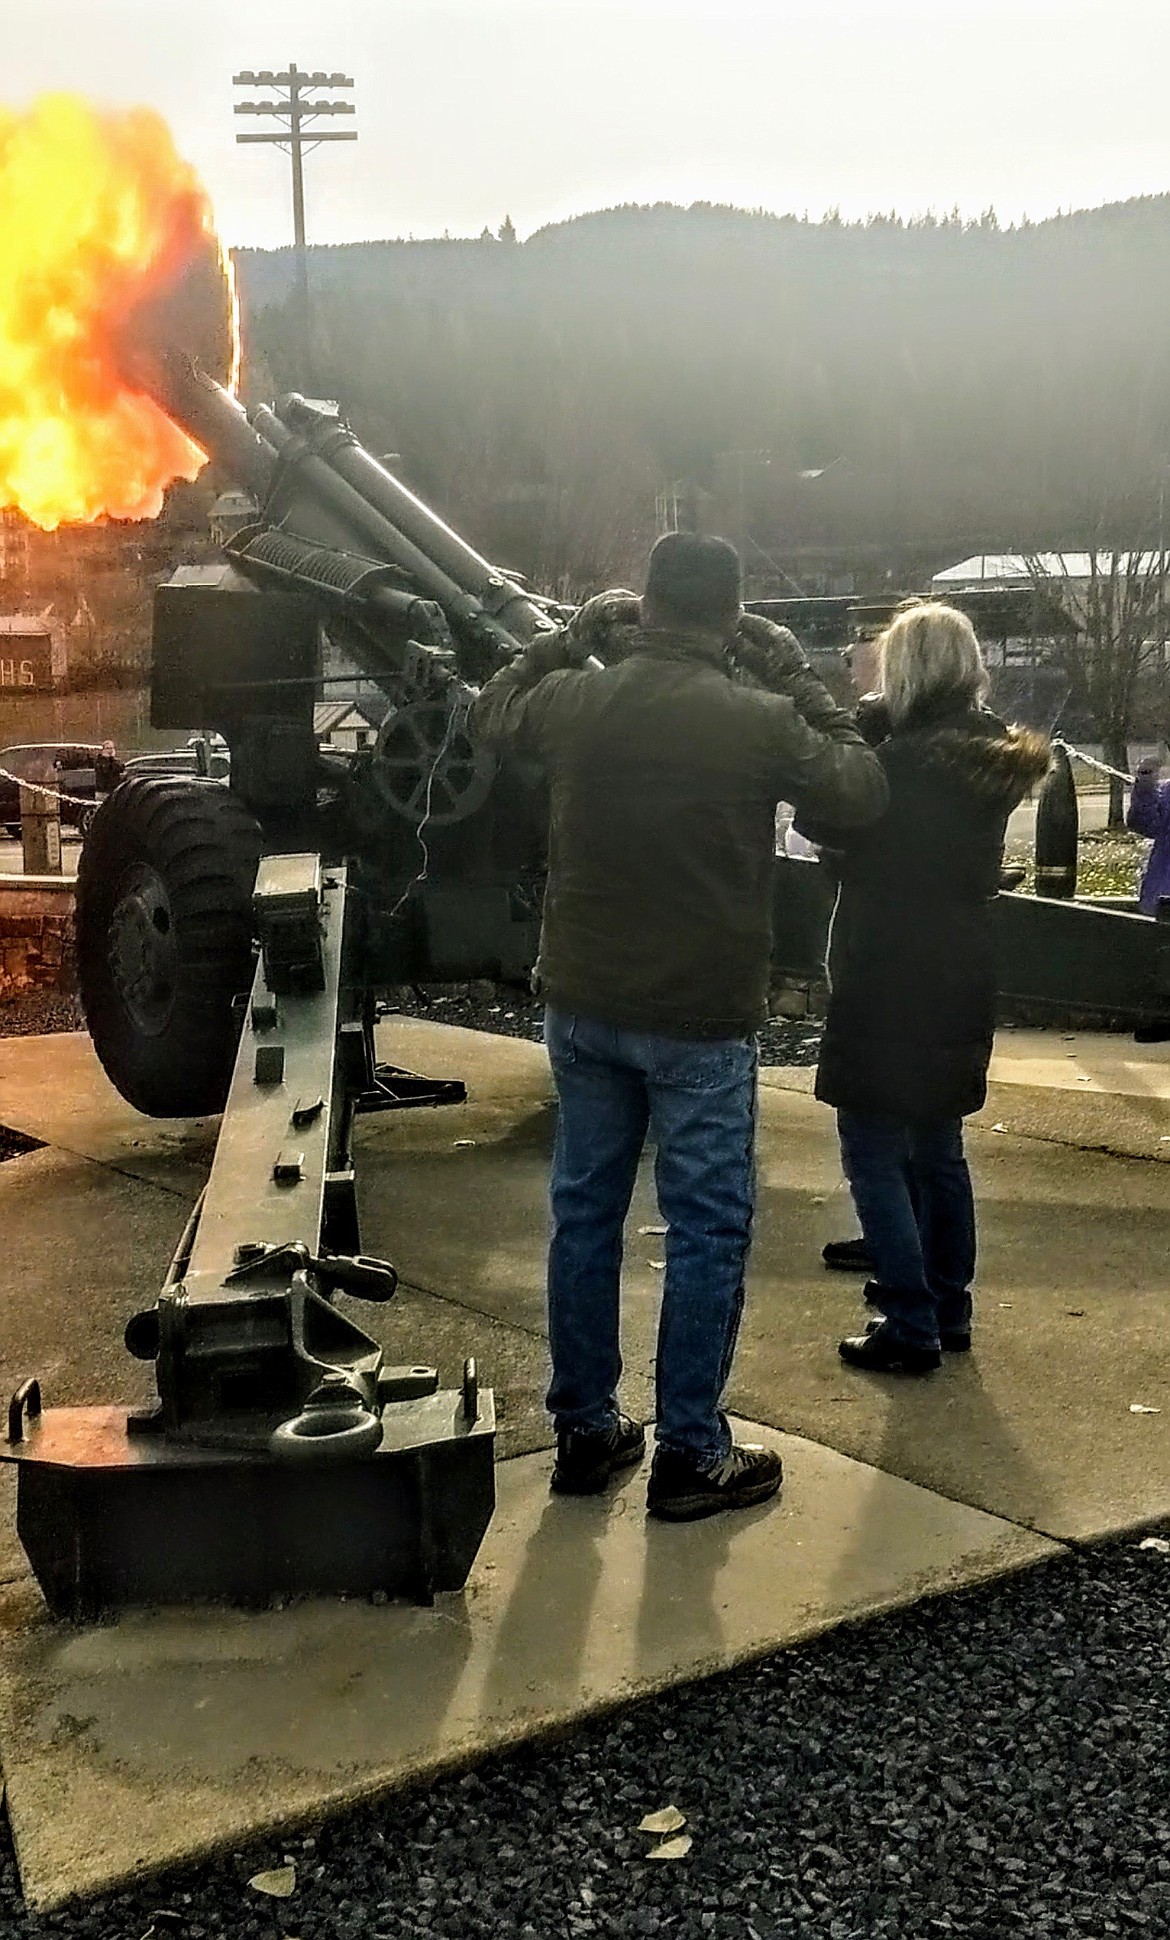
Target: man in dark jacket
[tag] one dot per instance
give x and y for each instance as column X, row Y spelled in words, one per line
column 665, row 767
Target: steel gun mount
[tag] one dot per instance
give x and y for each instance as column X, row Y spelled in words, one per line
column 232, row 938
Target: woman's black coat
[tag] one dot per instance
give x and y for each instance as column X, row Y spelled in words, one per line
column 911, row 966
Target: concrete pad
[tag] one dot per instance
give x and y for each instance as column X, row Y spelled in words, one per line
column 166, row 1735
column 1082, row 1060
column 1101, row 1092
column 1070, row 1331
column 13, row 1566
column 54, row 1089
column 1035, row 1426
column 1083, row 1088
column 84, row 1248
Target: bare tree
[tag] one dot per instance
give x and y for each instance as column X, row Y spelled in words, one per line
column 1113, row 603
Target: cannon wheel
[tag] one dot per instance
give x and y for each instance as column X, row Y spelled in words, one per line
column 428, row 766
column 164, row 940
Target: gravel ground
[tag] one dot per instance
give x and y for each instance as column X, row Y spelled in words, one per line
column 512, row 1013
column 990, row 1765
column 40, row 1012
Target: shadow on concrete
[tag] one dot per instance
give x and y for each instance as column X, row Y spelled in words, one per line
column 549, row 1614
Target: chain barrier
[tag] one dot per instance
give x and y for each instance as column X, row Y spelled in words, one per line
column 1091, row 761
column 42, row 788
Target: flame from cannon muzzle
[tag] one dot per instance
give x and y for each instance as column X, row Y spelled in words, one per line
column 109, row 255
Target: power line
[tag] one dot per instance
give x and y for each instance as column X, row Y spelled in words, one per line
column 296, row 104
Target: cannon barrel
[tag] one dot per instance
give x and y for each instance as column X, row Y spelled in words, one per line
column 444, row 551
column 211, row 415
column 315, row 482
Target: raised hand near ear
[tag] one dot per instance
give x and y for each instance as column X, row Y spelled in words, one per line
column 770, row 653
column 606, row 625
column 548, row 653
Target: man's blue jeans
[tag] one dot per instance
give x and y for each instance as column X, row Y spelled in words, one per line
column 698, row 1101
column 912, row 1191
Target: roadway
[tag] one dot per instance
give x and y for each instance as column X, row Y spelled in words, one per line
column 12, row 856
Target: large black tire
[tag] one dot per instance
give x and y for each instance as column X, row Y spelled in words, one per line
column 165, row 940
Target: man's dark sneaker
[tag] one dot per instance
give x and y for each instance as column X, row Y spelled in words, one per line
column 883, row 1353
column 679, row 1491
column 952, row 1340
column 586, row 1461
column 847, row 1256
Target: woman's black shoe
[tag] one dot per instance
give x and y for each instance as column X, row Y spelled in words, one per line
column 951, row 1340
column 847, row 1256
column 883, row 1353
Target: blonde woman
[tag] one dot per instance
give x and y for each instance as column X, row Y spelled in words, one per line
column 912, row 979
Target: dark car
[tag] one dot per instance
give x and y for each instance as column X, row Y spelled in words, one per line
column 205, row 755
column 64, row 765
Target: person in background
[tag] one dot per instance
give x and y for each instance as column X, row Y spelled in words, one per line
column 862, row 657
column 665, row 765
column 107, row 769
column 1149, row 814
column 912, row 979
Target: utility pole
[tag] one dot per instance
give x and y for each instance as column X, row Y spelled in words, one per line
column 297, row 103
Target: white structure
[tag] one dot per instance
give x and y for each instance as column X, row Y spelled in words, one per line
column 999, row 591
column 1018, row 571
column 344, row 724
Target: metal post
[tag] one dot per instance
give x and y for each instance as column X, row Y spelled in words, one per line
column 297, row 108
column 40, row 832
column 298, row 195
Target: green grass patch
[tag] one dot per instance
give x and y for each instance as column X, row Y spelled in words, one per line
column 1108, row 864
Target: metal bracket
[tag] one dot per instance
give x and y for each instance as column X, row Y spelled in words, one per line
column 26, row 1400
column 394, row 1089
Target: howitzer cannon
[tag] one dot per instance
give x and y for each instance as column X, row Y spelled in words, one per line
column 231, row 940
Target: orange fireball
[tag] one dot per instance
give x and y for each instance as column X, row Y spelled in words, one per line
column 98, row 217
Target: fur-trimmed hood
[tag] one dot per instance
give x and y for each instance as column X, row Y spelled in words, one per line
column 996, row 762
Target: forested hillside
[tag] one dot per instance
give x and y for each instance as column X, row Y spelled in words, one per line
column 898, row 393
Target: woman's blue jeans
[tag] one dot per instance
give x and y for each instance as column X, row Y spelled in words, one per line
column 697, row 1099
column 912, row 1191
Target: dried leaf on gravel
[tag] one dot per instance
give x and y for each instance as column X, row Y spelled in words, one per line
column 1155, row 1542
column 669, row 1819
column 672, row 1848
column 279, row 1884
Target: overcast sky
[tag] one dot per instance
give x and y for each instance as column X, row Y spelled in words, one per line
column 471, row 109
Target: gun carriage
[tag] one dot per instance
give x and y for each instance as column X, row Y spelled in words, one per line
column 232, row 938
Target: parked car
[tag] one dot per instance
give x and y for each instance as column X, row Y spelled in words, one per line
column 67, row 765
column 202, row 755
